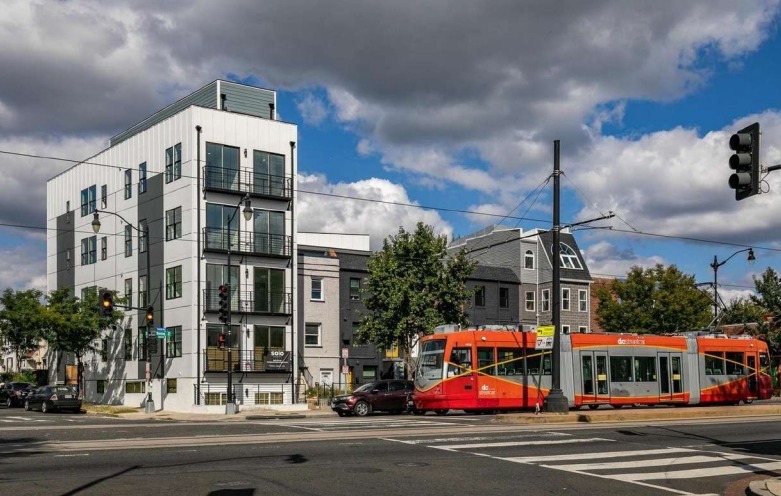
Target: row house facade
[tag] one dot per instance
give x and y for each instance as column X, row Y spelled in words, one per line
column 527, row 254
column 198, row 195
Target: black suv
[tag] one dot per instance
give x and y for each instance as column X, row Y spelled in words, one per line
column 385, row 395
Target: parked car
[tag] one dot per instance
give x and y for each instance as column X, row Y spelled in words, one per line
column 385, row 395
column 51, row 398
column 14, row 393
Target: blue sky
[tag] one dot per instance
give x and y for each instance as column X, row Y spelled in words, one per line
column 453, row 108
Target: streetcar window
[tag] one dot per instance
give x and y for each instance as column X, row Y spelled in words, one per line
column 620, row 369
column 460, row 362
column 714, row 363
column 764, row 361
column 510, row 361
column 734, row 363
column 533, row 363
column 432, row 359
column 645, row 369
column 485, row 361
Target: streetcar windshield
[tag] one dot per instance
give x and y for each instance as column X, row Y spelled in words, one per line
column 432, row 359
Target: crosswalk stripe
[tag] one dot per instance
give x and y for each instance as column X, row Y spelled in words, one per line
column 608, row 454
column 483, row 438
column 504, row 444
column 703, row 472
column 656, row 462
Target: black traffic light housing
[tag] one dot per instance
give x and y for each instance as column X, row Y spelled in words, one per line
column 150, row 316
column 107, row 303
column 745, row 162
column 224, row 303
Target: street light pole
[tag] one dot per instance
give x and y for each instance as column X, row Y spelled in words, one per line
column 715, row 266
column 230, row 407
column 149, row 407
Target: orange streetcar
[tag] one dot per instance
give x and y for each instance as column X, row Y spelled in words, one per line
column 487, row 370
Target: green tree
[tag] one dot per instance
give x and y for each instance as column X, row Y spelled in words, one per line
column 75, row 325
column 22, row 321
column 768, row 289
column 654, row 300
column 413, row 286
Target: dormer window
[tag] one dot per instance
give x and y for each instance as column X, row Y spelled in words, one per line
column 569, row 260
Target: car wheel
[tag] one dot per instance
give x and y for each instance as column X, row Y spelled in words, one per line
column 45, row 408
column 27, row 406
column 9, row 403
column 362, row 409
column 441, row 411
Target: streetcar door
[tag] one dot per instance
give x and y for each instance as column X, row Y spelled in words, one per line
column 670, row 376
column 753, row 374
column 593, row 374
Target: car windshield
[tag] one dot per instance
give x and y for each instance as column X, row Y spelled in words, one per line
column 366, row 387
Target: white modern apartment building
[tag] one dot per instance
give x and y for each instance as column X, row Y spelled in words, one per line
column 198, row 195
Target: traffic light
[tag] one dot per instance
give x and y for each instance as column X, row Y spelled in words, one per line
column 150, row 316
column 745, row 162
column 221, row 341
column 107, row 303
column 224, row 304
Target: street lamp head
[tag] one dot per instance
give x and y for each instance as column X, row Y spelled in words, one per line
column 95, row 223
column 751, row 257
column 247, row 211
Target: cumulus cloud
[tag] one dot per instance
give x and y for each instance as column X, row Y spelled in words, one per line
column 605, row 259
column 312, row 109
column 23, row 267
column 334, row 208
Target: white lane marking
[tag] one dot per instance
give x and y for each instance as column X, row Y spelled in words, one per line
column 72, row 455
column 520, row 443
column 656, row 462
column 480, row 438
column 702, row 472
column 13, row 419
column 596, row 456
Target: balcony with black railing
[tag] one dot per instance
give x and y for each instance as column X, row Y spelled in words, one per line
column 248, row 243
column 246, row 181
column 251, row 302
column 254, row 360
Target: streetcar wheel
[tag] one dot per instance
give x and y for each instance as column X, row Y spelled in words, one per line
column 419, row 412
column 617, row 407
column 593, row 407
column 362, row 409
column 472, row 412
column 441, row 411
column 748, row 402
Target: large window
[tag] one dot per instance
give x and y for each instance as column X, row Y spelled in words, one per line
column 645, row 369
column 271, row 338
column 173, row 223
column 269, row 172
column 582, row 300
column 317, row 289
column 104, row 248
column 538, row 363
column 142, row 301
column 177, row 161
column 104, row 196
column 528, row 259
column 142, row 178
column 142, row 348
column 569, row 259
column 173, row 282
column 217, row 217
column 486, row 364
column 510, row 361
column 565, row 294
column 714, row 363
column 88, row 200
column 128, row 344
column 734, row 363
column 312, row 335
column 530, row 301
column 479, row 296
column 143, row 236
column 504, row 297
column 546, row 300
column 173, row 163
column 128, row 240
column 128, row 184
column 270, row 293
column 173, row 342
column 89, row 250
column 222, row 166
column 355, row 289
column 129, row 292
column 269, row 232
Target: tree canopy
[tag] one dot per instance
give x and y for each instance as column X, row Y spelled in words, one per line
column 413, row 286
column 768, row 297
column 653, row 300
column 23, row 319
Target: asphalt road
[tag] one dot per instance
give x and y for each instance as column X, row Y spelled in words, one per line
column 385, row 455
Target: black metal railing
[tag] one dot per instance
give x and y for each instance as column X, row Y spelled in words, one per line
column 246, row 181
column 247, row 243
column 254, row 360
column 251, row 302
